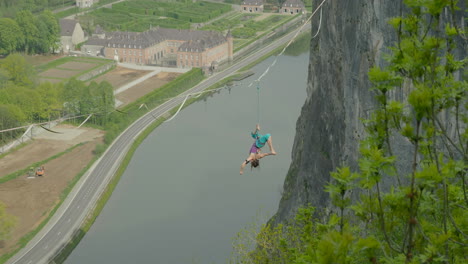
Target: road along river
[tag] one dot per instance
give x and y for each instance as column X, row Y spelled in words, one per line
column 181, row 199
column 74, row 209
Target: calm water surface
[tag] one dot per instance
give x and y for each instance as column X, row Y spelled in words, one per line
column 181, row 199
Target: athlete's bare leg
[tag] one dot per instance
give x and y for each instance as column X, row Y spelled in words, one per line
column 270, row 145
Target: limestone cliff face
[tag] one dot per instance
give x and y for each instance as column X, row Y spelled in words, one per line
column 353, row 36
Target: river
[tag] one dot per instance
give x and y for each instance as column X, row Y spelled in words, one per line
column 181, row 199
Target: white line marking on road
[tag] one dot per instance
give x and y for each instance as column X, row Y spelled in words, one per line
column 58, row 234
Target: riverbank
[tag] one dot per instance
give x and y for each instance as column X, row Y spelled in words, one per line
column 199, row 194
column 212, row 81
column 110, row 189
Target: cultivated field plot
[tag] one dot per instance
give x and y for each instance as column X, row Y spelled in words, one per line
column 81, row 66
column 145, row 87
column 31, row 199
column 120, row 76
column 140, row 15
column 68, row 67
column 58, row 74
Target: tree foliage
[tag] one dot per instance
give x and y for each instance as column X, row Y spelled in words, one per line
column 18, row 71
column 29, row 33
column 11, row 36
column 28, row 25
column 424, row 217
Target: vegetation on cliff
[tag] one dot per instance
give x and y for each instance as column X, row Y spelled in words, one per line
column 424, row 218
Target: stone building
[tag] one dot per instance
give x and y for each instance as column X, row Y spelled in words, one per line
column 71, row 34
column 85, row 3
column 293, row 7
column 252, row 6
column 165, row 47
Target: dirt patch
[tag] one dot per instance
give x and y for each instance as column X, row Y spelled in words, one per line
column 79, row 66
column 58, row 73
column 46, row 145
column 145, row 87
column 30, row 200
column 120, row 76
column 36, row 60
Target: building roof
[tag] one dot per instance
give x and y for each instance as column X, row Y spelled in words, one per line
column 99, row 30
column 96, row 41
column 193, row 39
column 293, row 3
column 67, row 26
column 252, row 2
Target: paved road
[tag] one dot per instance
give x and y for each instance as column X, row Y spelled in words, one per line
column 85, row 194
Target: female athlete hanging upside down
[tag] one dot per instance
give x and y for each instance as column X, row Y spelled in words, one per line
column 255, row 151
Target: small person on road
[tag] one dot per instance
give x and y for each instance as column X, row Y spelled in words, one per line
column 255, row 151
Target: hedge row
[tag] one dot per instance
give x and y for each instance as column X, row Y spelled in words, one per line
column 140, row 15
column 190, row 12
column 120, row 20
column 198, row 6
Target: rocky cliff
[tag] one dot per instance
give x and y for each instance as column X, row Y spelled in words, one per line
column 353, row 36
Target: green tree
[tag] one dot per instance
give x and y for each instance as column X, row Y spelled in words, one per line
column 11, row 37
column 28, row 24
column 18, row 70
column 104, row 95
column 73, row 94
column 4, row 77
column 7, row 222
column 49, row 31
column 10, row 116
column 28, row 100
column 92, row 99
column 50, row 102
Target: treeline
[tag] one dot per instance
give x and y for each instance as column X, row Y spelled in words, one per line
column 28, row 33
column 9, row 8
column 24, row 100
